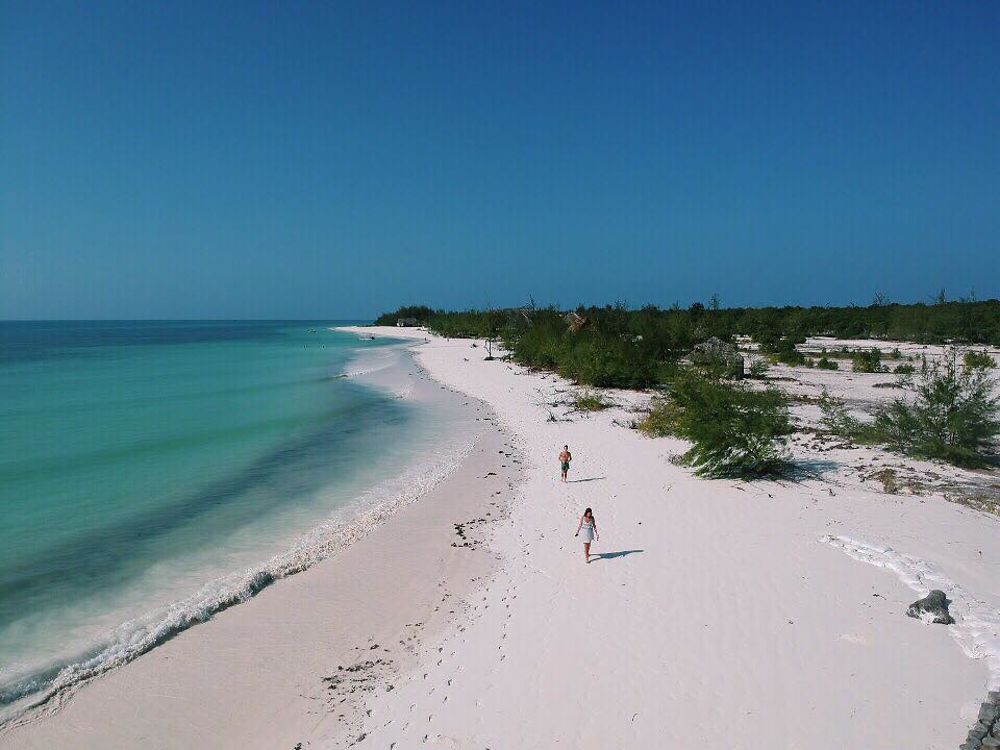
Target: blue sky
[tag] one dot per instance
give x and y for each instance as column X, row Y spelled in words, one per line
column 331, row 160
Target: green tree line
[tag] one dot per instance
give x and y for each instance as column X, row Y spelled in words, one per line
column 620, row 347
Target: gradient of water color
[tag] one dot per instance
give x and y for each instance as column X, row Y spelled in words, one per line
column 141, row 461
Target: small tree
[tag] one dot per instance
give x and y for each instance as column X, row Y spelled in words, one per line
column 954, row 416
column 869, row 360
column 494, row 321
column 736, row 431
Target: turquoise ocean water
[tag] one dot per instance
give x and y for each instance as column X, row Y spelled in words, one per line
column 147, row 469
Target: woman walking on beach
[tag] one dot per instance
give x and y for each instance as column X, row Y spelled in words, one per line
column 564, row 458
column 588, row 525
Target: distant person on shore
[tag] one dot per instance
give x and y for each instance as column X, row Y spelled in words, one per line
column 564, row 458
column 588, row 525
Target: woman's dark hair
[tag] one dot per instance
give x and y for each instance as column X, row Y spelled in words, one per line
column 588, row 512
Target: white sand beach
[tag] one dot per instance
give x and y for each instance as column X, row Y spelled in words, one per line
column 715, row 613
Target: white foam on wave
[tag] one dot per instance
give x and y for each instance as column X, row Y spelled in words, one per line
column 977, row 624
column 367, row 362
column 405, row 392
column 349, row 524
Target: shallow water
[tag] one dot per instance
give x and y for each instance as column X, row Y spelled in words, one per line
column 153, row 473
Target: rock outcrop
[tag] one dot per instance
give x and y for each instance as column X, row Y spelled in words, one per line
column 934, row 606
column 718, row 354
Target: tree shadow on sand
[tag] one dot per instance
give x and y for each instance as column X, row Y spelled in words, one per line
column 613, row 555
column 811, row 469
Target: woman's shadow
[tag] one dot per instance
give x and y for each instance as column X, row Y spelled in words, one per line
column 612, row 555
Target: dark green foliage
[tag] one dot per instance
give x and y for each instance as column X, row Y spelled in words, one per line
column 662, row 420
column 590, row 401
column 953, row 416
column 421, row 313
column 825, row 363
column 736, row 431
column 758, row 369
column 868, row 360
column 903, row 369
column 784, row 352
column 638, row 348
column 981, row 360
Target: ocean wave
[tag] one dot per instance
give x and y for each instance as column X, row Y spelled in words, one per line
column 368, row 362
column 977, row 624
column 46, row 687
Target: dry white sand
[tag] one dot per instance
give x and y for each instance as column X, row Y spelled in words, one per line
column 718, row 613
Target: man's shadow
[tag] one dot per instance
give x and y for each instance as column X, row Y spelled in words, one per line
column 589, row 479
column 613, row 555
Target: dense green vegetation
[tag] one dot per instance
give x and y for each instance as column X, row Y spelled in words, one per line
column 421, row 313
column 952, row 416
column 616, row 346
column 735, row 430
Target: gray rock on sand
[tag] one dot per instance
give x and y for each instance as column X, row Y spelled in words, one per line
column 978, row 733
column 985, row 733
column 989, row 713
column 935, row 605
column 717, row 353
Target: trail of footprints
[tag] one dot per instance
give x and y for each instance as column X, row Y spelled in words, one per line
column 349, row 689
column 351, row 686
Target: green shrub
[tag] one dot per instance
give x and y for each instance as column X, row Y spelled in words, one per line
column 953, row 416
column 837, row 419
column 590, row 401
column 783, row 351
column 903, row 369
column 980, row 360
column 662, row 419
column 868, row 360
column 736, row 431
column 827, row 364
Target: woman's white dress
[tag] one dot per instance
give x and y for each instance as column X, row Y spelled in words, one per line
column 587, row 532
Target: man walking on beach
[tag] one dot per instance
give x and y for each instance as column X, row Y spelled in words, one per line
column 564, row 458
